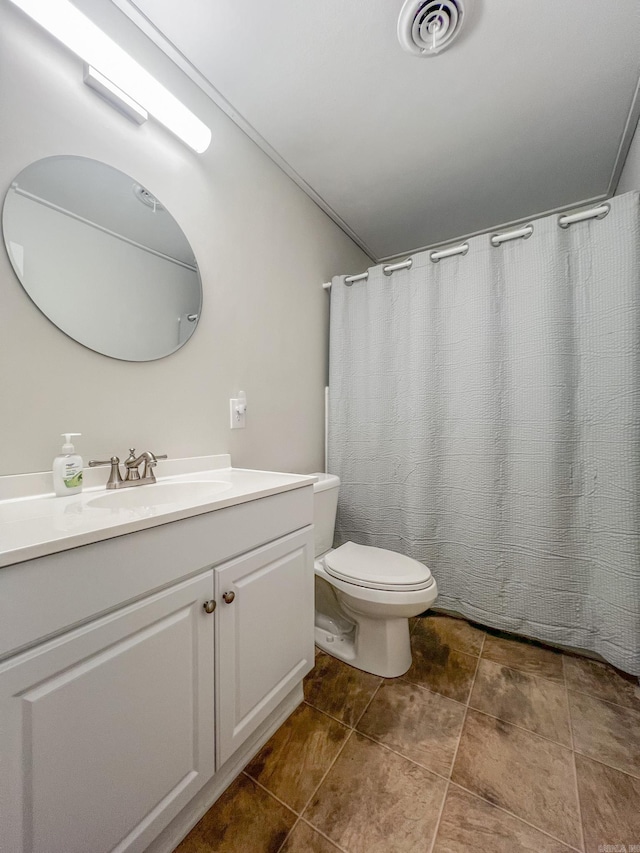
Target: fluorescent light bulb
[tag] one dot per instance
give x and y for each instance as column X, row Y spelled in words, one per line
column 86, row 40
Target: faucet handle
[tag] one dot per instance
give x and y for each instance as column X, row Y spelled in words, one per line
column 114, row 474
column 150, row 462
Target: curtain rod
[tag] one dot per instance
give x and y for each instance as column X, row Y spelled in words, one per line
column 524, row 233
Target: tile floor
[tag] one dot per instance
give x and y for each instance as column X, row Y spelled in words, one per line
column 488, row 743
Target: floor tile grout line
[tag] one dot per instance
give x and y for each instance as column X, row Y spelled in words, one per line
column 515, row 816
column 298, row 814
column 326, row 713
column 430, row 690
column 463, row 651
column 352, row 731
column 570, row 655
column 337, row 719
column 323, row 711
column 573, row 755
column 455, row 754
column 456, row 648
column 600, row 699
column 525, row 671
column 514, row 668
column 271, row 794
column 601, row 662
column 584, row 754
column 286, row 838
column 367, row 706
column 325, row 774
column 521, row 728
column 453, row 649
column 300, row 819
column 563, row 681
column 581, row 752
column 372, row 740
column 473, row 681
column 324, row 835
column 563, row 652
column 436, row 829
column 401, row 755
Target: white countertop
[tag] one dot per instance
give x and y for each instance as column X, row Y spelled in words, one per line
column 34, row 525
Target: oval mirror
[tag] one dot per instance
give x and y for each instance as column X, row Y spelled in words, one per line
column 102, row 258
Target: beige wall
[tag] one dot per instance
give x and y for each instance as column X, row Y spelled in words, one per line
column 263, row 249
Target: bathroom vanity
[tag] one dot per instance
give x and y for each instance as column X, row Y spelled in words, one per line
column 150, row 642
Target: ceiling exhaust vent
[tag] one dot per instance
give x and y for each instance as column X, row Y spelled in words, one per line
column 427, row 27
column 145, row 197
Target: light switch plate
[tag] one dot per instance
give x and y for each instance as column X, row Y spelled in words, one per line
column 238, row 412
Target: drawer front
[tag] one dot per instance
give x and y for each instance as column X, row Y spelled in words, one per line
column 43, row 597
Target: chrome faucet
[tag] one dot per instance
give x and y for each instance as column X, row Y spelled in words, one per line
column 132, row 463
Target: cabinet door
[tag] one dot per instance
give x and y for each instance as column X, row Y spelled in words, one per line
column 107, row 731
column 265, row 634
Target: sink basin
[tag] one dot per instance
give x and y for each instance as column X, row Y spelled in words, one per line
column 159, row 494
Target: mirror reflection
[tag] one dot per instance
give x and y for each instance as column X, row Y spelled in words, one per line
column 102, row 258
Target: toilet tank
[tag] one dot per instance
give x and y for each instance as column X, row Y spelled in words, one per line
column 325, row 504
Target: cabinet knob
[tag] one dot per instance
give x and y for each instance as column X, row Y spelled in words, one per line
column 209, row 606
column 228, row 597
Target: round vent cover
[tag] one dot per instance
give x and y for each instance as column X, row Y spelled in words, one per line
column 427, row 27
column 143, row 195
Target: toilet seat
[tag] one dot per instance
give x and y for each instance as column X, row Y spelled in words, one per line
column 376, row 568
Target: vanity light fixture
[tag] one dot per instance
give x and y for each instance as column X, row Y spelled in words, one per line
column 115, row 96
column 120, row 75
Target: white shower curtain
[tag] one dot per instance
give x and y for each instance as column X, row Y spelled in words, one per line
column 484, row 418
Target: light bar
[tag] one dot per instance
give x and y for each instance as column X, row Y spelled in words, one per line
column 86, row 40
column 116, row 97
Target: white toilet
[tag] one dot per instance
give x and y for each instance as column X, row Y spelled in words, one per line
column 364, row 596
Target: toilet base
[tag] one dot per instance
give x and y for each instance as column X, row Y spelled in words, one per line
column 379, row 646
column 340, row 646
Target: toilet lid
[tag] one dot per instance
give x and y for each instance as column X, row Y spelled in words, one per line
column 376, row 568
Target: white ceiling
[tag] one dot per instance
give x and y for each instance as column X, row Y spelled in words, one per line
column 530, row 110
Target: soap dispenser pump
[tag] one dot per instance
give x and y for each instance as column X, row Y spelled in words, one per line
column 67, row 468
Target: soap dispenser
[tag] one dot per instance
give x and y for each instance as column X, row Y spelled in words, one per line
column 67, row 468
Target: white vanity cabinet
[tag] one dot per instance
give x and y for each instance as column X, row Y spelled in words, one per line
column 125, row 706
column 110, row 726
